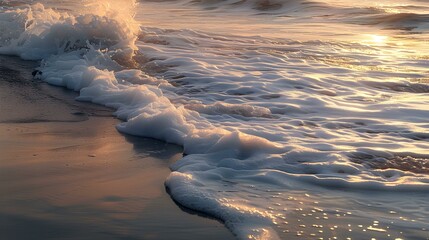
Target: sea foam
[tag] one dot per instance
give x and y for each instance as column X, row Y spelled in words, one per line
column 241, row 135
column 89, row 53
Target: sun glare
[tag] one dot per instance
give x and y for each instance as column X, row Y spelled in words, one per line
column 378, row 39
column 374, row 39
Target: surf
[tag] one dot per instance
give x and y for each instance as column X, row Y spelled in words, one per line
column 257, row 116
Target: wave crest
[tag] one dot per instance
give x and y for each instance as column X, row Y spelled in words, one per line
column 35, row 32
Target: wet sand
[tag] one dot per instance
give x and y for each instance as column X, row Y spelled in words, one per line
column 66, row 173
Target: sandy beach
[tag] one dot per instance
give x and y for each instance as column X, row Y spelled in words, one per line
column 66, row 173
column 214, row 119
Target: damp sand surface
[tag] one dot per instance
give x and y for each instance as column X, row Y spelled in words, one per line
column 66, row 173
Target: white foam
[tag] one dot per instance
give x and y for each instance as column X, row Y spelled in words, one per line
column 247, row 110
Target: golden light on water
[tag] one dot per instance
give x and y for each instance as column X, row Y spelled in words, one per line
column 376, row 39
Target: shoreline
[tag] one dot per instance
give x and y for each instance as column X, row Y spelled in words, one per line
column 66, row 172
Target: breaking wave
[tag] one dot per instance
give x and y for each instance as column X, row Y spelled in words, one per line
column 243, row 121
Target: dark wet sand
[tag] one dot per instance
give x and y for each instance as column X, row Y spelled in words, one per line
column 66, row 173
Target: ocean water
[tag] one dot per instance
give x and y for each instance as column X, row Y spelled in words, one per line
column 298, row 119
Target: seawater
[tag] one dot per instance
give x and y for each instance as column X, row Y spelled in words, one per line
column 298, row 119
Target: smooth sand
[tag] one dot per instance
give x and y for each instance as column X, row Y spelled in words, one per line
column 66, row 173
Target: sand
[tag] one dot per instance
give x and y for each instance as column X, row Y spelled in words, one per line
column 66, row 173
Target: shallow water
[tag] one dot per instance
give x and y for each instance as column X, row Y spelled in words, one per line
column 277, row 104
